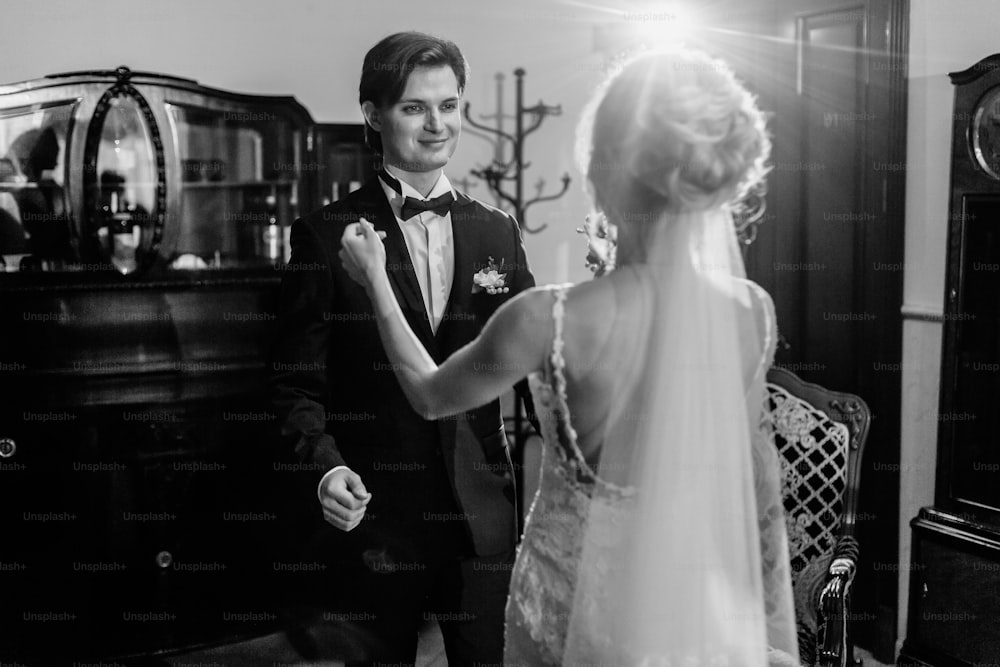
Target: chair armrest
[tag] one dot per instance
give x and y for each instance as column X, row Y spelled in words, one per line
column 834, row 605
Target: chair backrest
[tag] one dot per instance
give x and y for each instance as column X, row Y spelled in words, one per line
column 820, row 436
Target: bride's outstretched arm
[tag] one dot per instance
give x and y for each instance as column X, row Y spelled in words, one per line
column 510, row 346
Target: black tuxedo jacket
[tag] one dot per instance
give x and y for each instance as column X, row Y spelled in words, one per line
column 339, row 402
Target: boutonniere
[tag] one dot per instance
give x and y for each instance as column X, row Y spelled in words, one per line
column 490, row 279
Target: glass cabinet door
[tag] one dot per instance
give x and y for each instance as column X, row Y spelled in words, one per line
column 973, row 421
column 239, row 187
column 343, row 162
column 35, row 217
column 124, row 192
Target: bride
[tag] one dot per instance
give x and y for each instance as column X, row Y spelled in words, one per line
column 657, row 534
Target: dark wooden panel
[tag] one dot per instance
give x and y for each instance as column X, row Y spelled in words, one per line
column 954, row 615
column 834, row 216
column 960, row 606
column 145, row 478
column 975, row 429
column 831, row 245
column 108, row 512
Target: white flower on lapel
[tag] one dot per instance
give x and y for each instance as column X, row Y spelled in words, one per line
column 490, row 279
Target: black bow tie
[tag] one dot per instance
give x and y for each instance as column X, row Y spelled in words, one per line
column 440, row 205
column 411, row 207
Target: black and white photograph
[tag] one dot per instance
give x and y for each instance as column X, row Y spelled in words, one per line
column 344, row 333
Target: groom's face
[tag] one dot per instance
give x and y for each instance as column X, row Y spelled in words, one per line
column 420, row 132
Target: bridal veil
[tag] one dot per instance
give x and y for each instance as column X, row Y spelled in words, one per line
column 696, row 571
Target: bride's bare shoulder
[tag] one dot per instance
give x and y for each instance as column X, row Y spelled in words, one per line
column 591, row 307
column 761, row 304
column 758, row 321
column 592, row 299
column 532, row 308
column 592, row 310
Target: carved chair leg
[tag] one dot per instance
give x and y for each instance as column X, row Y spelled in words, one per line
column 852, row 660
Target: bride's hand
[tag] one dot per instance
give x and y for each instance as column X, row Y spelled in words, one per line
column 362, row 253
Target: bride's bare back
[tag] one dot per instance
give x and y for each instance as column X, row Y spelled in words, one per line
column 602, row 319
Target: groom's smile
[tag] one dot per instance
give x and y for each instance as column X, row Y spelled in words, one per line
column 420, row 131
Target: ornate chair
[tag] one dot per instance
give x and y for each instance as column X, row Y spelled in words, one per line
column 820, row 435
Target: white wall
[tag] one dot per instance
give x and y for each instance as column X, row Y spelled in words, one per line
column 944, row 37
column 313, row 49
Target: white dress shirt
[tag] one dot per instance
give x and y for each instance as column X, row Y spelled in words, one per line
column 431, row 245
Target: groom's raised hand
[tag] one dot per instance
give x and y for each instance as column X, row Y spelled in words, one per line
column 344, row 499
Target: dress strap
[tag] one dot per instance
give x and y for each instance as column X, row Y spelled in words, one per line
column 564, row 427
column 556, row 360
column 770, row 339
column 566, row 436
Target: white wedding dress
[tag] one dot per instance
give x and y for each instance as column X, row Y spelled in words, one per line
column 544, row 597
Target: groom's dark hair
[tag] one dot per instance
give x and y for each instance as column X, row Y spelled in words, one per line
column 389, row 63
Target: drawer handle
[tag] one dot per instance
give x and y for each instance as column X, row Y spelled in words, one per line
column 164, row 559
column 7, row 447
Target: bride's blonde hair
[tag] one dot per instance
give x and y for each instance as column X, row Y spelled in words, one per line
column 671, row 131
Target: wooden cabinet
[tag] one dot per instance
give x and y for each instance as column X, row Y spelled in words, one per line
column 954, row 615
column 955, row 588
column 144, row 219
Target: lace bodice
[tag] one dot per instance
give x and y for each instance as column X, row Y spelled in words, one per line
column 570, row 494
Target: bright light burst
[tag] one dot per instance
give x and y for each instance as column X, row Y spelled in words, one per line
column 637, row 27
column 661, row 26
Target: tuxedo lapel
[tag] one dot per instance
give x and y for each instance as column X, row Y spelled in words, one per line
column 372, row 204
column 465, row 232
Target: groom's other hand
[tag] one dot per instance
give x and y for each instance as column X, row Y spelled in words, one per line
column 344, row 498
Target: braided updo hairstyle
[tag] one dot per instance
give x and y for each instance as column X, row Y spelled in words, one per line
column 672, row 131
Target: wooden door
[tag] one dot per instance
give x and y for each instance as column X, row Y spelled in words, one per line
column 831, row 244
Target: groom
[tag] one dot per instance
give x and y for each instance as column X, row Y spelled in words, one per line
column 420, row 515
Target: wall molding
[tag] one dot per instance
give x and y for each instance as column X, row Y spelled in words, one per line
column 922, row 313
